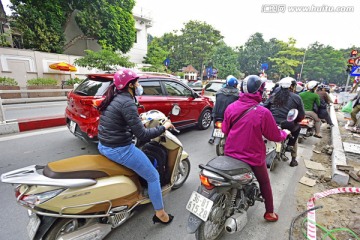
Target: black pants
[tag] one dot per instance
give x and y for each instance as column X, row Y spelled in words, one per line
column 324, row 114
column 294, row 129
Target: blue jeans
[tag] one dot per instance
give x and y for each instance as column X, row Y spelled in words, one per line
column 133, row 158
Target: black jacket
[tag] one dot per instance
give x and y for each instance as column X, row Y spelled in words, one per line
column 280, row 114
column 120, row 120
column 224, row 97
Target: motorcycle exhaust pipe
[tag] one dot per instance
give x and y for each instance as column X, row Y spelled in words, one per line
column 236, row 222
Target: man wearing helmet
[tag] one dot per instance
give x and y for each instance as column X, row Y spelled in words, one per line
column 224, row 97
column 280, row 104
column 119, row 121
column 245, row 123
column 309, row 99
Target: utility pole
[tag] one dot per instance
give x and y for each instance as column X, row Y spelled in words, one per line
column 302, row 65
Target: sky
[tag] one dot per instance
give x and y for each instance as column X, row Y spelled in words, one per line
column 238, row 20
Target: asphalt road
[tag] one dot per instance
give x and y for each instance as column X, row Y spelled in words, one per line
column 40, row 147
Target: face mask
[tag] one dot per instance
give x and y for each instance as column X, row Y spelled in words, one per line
column 139, row 90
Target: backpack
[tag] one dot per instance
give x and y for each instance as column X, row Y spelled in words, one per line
column 158, row 157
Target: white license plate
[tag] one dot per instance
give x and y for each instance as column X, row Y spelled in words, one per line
column 33, row 226
column 303, row 131
column 199, row 206
column 72, row 126
column 218, row 133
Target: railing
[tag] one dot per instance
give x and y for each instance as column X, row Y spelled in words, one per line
column 29, row 100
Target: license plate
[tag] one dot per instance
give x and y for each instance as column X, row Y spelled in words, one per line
column 303, row 131
column 218, row 133
column 199, row 205
column 72, row 126
column 33, row 226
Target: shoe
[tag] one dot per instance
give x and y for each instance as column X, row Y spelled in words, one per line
column 351, row 125
column 211, row 141
column 270, row 218
column 293, row 163
column 317, row 136
column 157, row 220
column 330, row 126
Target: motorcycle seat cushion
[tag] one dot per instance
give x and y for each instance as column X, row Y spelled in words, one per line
column 85, row 166
column 229, row 165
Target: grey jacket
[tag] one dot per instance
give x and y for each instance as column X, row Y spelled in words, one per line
column 120, row 121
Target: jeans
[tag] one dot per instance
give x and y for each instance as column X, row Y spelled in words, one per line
column 133, row 158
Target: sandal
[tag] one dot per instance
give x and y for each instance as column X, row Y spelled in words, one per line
column 317, row 136
column 270, row 218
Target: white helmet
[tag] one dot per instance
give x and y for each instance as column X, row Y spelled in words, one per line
column 287, row 82
column 312, row 85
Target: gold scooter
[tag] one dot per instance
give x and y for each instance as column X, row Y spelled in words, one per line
column 87, row 196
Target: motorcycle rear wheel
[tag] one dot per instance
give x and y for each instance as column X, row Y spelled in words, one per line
column 220, row 147
column 213, row 228
column 62, row 226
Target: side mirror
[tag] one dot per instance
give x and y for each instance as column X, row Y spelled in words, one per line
column 76, row 85
column 175, row 110
column 292, row 115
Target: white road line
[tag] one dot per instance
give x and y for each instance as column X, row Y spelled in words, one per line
column 34, row 133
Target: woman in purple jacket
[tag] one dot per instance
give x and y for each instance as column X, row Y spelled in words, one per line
column 245, row 136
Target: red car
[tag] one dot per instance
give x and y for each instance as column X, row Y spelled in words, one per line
column 161, row 92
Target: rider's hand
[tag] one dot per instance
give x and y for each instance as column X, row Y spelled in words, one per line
column 287, row 132
column 168, row 125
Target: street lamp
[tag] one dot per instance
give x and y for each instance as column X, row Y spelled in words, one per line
column 302, row 65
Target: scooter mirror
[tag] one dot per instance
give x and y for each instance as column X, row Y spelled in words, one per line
column 175, row 110
column 292, row 115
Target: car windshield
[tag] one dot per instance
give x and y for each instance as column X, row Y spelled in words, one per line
column 92, row 88
column 214, row 86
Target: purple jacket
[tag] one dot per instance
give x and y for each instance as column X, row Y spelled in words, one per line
column 245, row 139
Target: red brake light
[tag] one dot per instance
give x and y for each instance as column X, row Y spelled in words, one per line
column 304, row 122
column 205, row 181
column 218, row 124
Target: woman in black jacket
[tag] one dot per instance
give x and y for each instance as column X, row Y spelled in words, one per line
column 119, row 121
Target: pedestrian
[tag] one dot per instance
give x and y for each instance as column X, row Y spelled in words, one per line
column 280, row 103
column 119, row 121
column 325, row 101
column 245, row 123
column 355, row 110
column 224, row 97
column 356, row 84
column 310, row 98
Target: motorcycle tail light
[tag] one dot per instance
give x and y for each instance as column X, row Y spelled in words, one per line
column 35, row 199
column 243, row 178
column 304, row 122
column 206, row 183
column 218, row 124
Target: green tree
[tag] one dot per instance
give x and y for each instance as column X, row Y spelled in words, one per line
column 197, row 43
column 287, row 59
column 156, row 56
column 43, row 22
column 225, row 61
column 106, row 60
column 324, row 63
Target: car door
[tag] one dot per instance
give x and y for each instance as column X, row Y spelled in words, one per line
column 153, row 96
column 181, row 95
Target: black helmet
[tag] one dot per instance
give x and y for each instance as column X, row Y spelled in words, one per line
column 251, row 84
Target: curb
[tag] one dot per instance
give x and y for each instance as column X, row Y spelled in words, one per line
column 27, row 124
column 338, row 155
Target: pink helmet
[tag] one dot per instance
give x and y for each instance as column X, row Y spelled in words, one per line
column 123, row 77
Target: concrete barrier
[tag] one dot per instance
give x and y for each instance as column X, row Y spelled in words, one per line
column 338, row 155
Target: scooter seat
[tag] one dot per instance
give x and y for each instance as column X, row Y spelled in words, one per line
column 85, row 166
column 229, row 165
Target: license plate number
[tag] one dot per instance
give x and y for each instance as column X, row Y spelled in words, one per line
column 199, row 205
column 303, row 131
column 218, row 133
column 72, row 126
column 33, row 226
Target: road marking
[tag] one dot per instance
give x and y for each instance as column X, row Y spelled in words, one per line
column 35, row 133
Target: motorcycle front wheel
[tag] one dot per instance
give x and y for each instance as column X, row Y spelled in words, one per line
column 181, row 178
column 213, row 228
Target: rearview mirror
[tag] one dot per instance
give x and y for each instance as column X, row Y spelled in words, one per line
column 175, row 110
column 292, row 115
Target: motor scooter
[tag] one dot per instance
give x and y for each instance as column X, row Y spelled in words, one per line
column 307, row 128
column 86, row 197
column 220, row 204
column 219, row 138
